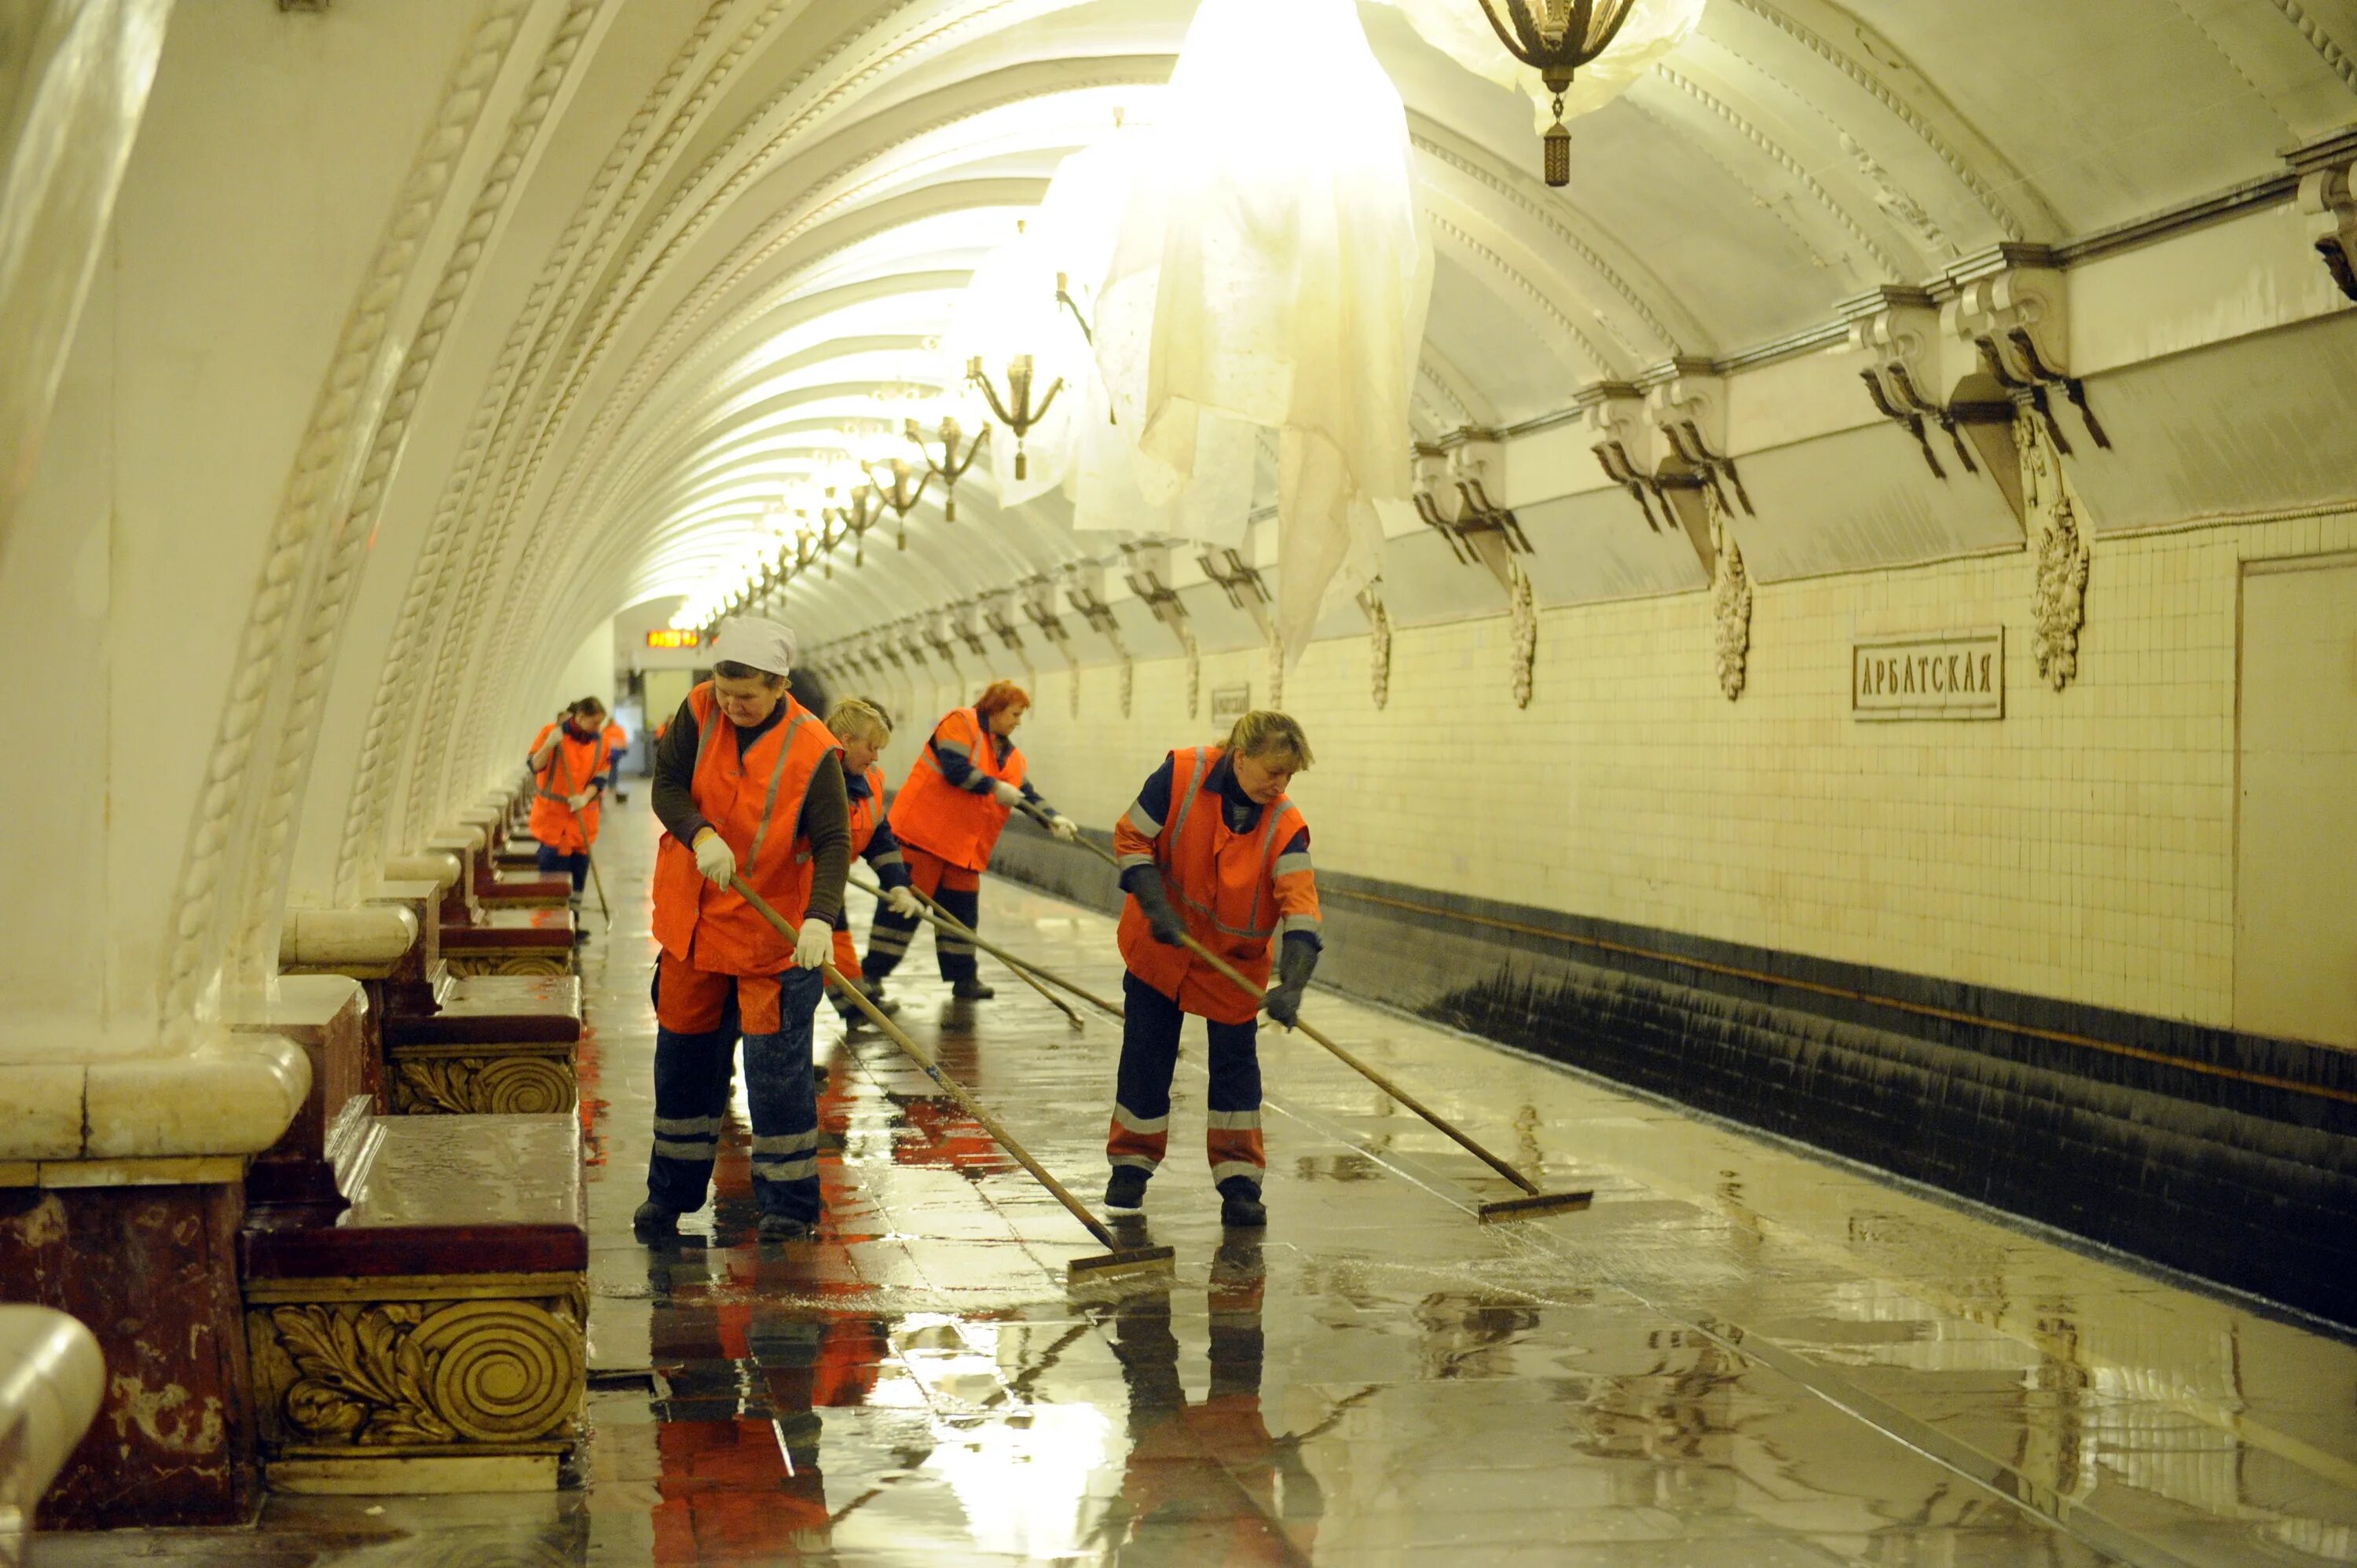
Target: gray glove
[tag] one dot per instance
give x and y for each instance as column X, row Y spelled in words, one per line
column 1144, row 883
column 1298, row 961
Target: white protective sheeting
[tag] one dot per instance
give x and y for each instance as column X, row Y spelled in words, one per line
column 1271, row 275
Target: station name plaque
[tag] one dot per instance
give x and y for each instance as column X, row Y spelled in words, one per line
column 1950, row 675
column 1230, row 704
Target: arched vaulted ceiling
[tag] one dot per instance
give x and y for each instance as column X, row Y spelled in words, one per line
column 781, row 224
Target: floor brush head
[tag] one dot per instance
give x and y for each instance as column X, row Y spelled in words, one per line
column 1129, row 1260
column 1535, row 1206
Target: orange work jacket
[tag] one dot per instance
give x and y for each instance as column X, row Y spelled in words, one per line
column 755, row 802
column 1235, row 891
column 956, row 826
column 868, row 815
column 554, row 822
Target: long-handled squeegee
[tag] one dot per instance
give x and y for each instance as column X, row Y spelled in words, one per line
column 1116, row 1259
column 942, row 920
column 1533, row 1202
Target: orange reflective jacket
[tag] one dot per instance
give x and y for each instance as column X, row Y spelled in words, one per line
column 575, row 762
column 867, row 812
column 1236, row 891
column 932, row 814
column 755, row 802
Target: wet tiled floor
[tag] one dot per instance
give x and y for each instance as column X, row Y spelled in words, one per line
column 1738, row 1356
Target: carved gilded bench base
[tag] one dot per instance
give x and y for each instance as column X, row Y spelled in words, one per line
column 519, row 1080
column 431, row 1383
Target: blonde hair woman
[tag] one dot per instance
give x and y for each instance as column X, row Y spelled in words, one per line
column 1212, row 849
column 865, row 729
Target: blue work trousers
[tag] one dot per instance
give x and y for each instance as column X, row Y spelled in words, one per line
column 692, row 1077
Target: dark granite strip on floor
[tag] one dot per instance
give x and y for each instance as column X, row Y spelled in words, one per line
column 2180, row 1145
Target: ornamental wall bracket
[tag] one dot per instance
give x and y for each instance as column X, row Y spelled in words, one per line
column 1040, row 609
column 1636, row 453
column 2327, row 197
column 1084, row 590
column 960, row 619
column 1452, row 496
column 1379, row 642
column 1900, row 332
column 1146, row 569
column 1687, row 402
column 1241, row 580
column 2009, row 309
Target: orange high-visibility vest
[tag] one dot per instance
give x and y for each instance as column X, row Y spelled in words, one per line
column 936, row 816
column 1235, row 891
column 554, row 822
column 868, row 815
column 755, row 802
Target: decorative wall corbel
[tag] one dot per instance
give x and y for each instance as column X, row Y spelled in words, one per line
column 1085, row 588
column 1040, row 609
column 960, row 618
column 1688, row 406
column 1900, row 332
column 2328, row 196
column 1623, row 445
column 1146, row 569
column 1241, row 580
column 2010, row 308
column 1634, row 449
column 998, row 615
column 1452, row 496
column 1379, row 642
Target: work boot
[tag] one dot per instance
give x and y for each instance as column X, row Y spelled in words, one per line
column 1240, row 1204
column 972, row 989
column 654, row 1222
column 783, row 1228
column 1126, row 1189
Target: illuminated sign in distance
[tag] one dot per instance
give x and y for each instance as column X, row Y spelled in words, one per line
column 672, row 636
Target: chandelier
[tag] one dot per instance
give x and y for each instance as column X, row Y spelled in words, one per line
column 1556, row 37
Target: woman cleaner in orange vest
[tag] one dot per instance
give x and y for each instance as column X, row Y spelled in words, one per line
column 1212, row 848
column 947, row 817
column 747, row 784
column 570, row 765
column 864, row 731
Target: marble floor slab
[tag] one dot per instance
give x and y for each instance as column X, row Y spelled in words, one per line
column 1740, row 1355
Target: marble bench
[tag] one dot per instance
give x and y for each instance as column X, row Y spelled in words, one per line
column 491, row 1045
column 427, row 1337
column 519, row 940
column 517, row 853
column 510, row 889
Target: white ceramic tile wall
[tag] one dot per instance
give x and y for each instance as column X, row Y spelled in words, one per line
column 2082, row 847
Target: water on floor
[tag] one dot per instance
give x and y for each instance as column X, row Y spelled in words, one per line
column 1738, row 1356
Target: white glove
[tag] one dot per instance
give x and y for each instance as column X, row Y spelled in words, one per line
column 1006, row 794
column 716, row 859
column 1063, row 828
column 903, row 901
column 814, row 944
column 577, row 801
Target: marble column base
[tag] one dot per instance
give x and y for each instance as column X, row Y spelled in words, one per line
column 152, row 1271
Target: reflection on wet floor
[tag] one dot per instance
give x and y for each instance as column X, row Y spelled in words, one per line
column 1738, row 1356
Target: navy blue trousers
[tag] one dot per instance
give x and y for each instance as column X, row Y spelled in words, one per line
column 577, row 863
column 691, row 1079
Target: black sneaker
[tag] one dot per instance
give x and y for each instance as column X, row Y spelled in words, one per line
column 971, row 991
column 654, row 1222
column 1126, row 1189
column 784, row 1227
column 1240, row 1204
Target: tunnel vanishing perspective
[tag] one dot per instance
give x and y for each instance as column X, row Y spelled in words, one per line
column 661, row 650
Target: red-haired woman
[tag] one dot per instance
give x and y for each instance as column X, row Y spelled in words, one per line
column 947, row 817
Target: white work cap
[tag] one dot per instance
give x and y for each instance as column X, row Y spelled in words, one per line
column 756, row 644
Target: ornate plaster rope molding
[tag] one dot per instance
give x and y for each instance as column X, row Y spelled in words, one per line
column 1730, row 608
column 2327, row 48
column 1562, row 232
column 368, row 815
column 339, row 576
column 1545, row 308
column 1789, row 165
column 1275, row 655
column 327, row 466
column 473, row 493
column 2007, row 220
